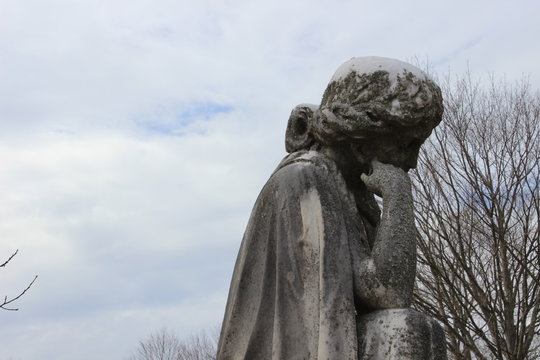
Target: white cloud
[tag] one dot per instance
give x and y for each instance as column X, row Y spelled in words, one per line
column 111, row 223
column 135, row 137
column 108, row 334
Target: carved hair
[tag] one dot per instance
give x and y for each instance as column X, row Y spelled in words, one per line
column 298, row 136
column 368, row 97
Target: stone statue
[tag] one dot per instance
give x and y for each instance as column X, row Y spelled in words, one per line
column 321, row 272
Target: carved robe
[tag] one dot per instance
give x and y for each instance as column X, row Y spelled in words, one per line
column 291, row 295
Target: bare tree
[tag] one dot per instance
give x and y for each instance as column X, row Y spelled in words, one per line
column 477, row 201
column 6, row 303
column 166, row 345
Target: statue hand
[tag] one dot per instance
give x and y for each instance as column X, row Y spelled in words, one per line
column 385, row 179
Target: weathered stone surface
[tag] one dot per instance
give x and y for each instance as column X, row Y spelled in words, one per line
column 374, row 96
column 322, row 273
column 399, row 334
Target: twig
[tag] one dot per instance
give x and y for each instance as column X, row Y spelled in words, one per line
column 11, row 257
column 7, row 302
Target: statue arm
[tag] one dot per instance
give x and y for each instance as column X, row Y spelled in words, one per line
column 385, row 278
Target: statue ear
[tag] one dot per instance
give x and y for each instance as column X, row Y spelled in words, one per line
column 298, row 136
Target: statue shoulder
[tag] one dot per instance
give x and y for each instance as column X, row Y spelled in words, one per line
column 302, row 170
column 306, row 161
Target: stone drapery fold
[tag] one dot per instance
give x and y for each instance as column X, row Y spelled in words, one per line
column 291, row 295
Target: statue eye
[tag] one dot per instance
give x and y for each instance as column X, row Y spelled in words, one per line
column 371, row 117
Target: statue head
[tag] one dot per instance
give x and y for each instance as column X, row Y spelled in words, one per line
column 377, row 104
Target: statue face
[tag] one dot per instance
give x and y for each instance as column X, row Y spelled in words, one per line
column 398, row 151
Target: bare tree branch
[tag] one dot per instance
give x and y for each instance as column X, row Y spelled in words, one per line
column 478, row 209
column 166, row 345
column 9, row 259
column 7, row 301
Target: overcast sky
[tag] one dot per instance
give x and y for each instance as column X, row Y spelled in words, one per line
column 136, row 135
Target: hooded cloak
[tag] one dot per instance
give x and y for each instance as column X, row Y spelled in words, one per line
column 291, row 295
